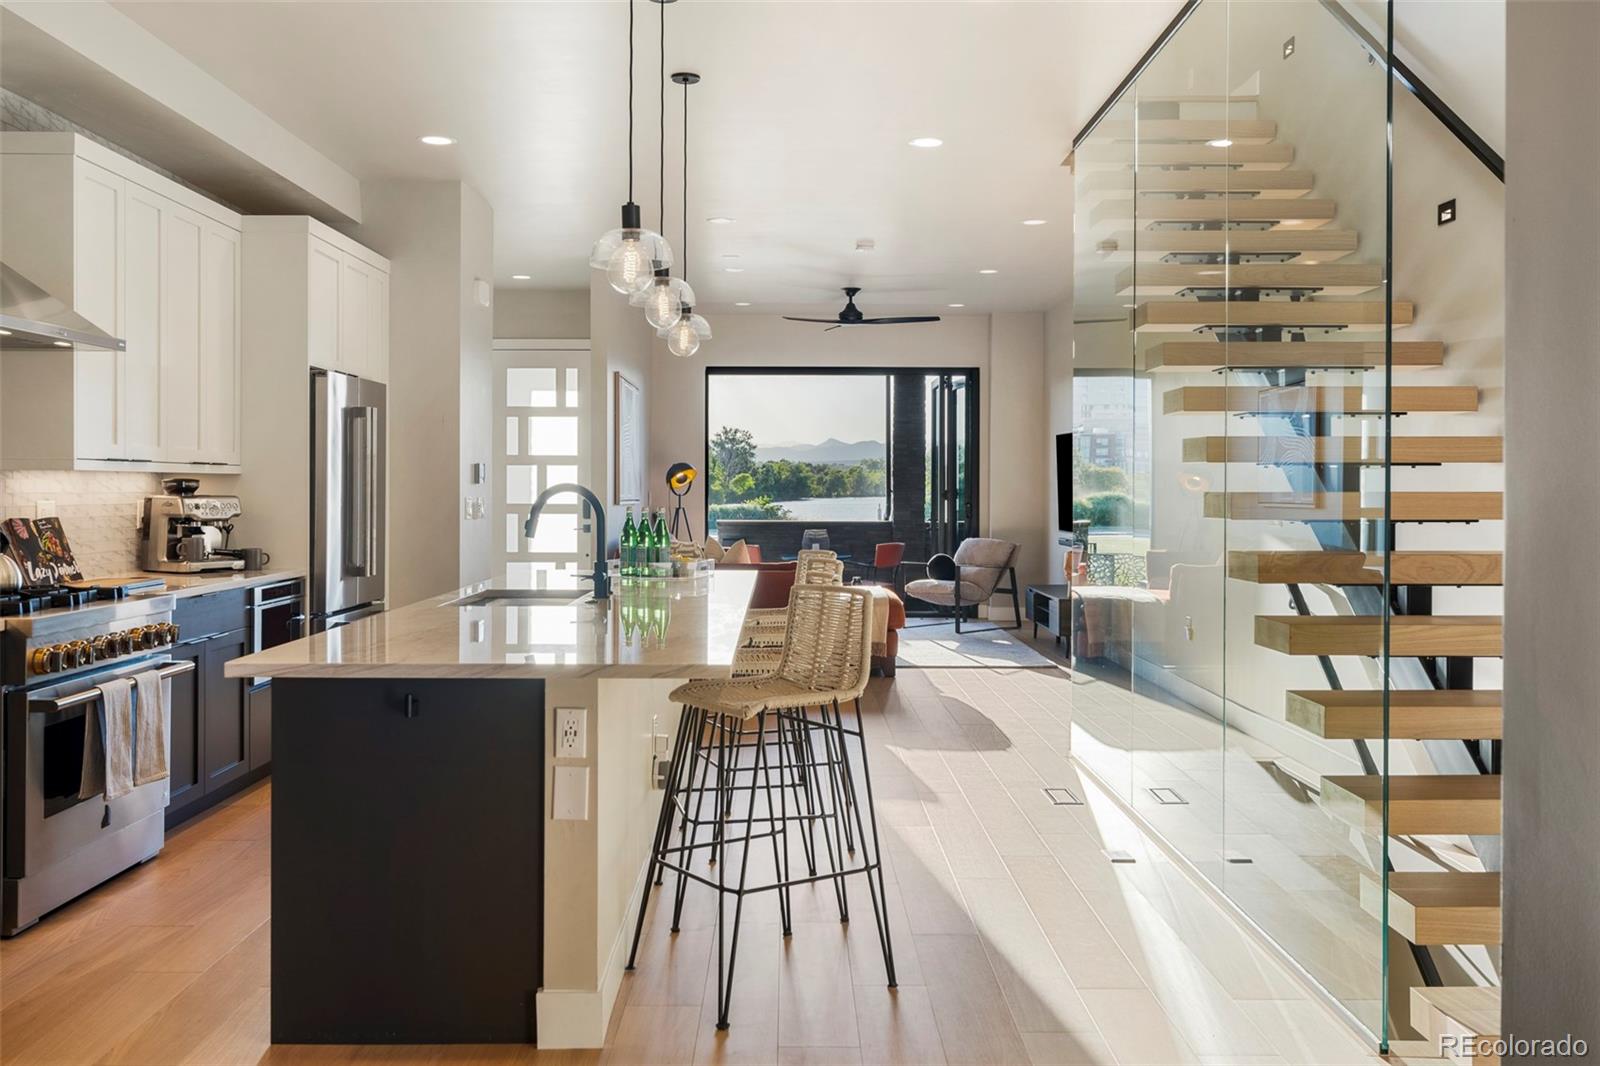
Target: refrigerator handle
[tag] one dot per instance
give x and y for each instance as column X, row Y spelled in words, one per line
column 360, row 459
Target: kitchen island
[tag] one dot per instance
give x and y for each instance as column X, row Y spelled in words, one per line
column 444, row 868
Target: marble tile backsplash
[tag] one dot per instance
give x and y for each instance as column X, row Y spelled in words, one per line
column 96, row 509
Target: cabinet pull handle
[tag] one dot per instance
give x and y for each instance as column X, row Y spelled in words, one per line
column 411, row 706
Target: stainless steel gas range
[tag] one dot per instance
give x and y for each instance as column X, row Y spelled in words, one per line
column 57, row 846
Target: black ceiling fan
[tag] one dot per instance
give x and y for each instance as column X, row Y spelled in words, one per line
column 852, row 316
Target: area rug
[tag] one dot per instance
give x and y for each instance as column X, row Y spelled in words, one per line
column 939, row 647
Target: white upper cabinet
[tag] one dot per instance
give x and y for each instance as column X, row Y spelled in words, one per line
column 144, row 259
column 313, row 298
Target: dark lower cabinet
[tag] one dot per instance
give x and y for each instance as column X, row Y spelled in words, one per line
column 187, row 765
column 258, row 709
column 227, row 733
column 221, row 728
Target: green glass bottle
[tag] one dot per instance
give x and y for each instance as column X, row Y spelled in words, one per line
column 628, row 543
column 660, row 537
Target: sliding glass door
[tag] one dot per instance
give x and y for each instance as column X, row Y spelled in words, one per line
column 949, row 436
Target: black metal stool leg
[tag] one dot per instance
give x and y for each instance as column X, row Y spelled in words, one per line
column 831, row 839
column 663, row 830
column 778, row 821
column 802, row 765
column 874, row 860
column 725, row 974
column 689, row 826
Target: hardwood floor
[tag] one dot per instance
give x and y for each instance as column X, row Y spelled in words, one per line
column 1016, row 939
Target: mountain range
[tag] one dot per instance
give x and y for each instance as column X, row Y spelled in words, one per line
column 831, row 451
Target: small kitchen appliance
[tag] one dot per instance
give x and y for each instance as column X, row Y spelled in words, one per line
column 188, row 534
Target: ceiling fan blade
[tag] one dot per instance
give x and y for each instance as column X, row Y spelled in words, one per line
column 823, row 321
column 898, row 321
column 830, row 329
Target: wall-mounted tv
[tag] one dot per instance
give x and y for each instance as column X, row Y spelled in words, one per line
column 1064, row 482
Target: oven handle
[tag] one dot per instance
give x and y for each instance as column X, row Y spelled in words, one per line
column 89, row 695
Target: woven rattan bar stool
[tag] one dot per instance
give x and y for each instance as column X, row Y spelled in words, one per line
column 763, row 627
column 759, row 757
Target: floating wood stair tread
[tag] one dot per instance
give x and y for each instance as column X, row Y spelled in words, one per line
column 1348, row 506
column 1302, row 214
column 1467, row 1013
column 1415, row 1053
column 1332, row 399
column 1341, row 634
column 1299, row 451
column 1314, row 245
column 1365, row 568
column 1266, row 184
column 1420, row 714
column 1422, row 804
column 1150, row 130
column 1444, row 907
column 1241, row 156
column 1178, row 316
column 1169, row 279
column 1272, row 355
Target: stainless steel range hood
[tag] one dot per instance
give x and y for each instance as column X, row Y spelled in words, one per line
column 31, row 319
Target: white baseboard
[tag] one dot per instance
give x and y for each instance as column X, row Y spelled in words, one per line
column 577, row 1017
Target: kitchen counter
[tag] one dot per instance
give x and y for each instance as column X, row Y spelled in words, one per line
column 181, row 585
column 674, row 628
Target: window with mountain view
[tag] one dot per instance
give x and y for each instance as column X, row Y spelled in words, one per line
column 798, row 446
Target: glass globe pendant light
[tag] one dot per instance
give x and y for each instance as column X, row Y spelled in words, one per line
column 684, row 335
column 663, row 298
column 630, row 253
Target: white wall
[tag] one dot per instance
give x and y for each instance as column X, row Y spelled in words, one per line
column 621, row 341
column 438, row 237
column 541, row 314
column 1008, row 354
column 1552, row 728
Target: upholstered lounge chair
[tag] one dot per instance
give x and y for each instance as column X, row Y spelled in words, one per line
column 980, row 562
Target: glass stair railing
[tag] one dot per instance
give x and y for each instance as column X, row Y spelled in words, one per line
column 1297, row 689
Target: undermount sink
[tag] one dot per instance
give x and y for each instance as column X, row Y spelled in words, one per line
column 522, row 598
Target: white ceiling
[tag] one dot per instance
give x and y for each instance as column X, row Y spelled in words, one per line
column 798, row 131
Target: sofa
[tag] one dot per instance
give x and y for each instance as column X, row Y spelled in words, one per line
column 773, row 582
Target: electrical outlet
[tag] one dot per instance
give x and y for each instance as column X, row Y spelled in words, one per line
column 571, row 800
column 44, row 509
column 572, row 733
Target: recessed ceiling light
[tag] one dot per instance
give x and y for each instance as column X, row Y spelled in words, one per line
column 730, row 255
column 733, row 270
column 436, row 140
column 62, row 344
column 742, row 303
column 721, row 220
column 955, row 305
column 1034, row 221
column 1220, row 142
column 522, row 277
column 925, row 142
column 1129, row 306
column 988, row 270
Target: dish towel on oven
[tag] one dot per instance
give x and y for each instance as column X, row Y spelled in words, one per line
column 150, row 717
column 108, row 742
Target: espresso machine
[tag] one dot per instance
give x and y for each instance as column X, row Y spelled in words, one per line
column 187, row 534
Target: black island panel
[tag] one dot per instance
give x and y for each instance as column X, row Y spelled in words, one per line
column 407, row 860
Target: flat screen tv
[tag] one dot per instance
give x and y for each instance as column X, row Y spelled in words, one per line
column 1064, row 482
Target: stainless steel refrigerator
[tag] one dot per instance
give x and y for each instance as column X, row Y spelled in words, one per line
column 348, row 499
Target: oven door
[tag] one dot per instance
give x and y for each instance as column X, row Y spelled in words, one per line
column 46, row 823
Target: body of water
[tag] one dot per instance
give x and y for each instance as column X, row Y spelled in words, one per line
column 837, row 509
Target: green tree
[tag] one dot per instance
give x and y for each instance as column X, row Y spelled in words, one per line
column 735, row 450
column 742, row 486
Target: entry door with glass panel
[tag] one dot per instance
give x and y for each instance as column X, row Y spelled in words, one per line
column 541, row 439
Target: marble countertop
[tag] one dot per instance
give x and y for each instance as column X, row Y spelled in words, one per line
column 685, row 627
column 182, row 585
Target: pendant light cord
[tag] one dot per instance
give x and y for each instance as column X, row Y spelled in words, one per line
column 630, row 101
column 662, row 135
column 685, row 245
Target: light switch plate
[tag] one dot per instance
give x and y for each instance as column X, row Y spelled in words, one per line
column 44, row 509
column 571, row 801
column 572, row 733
